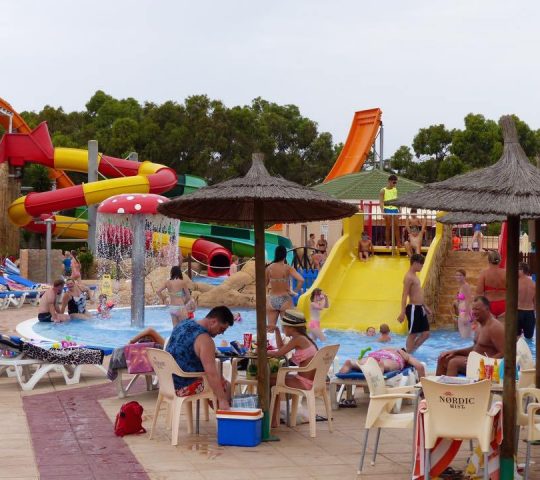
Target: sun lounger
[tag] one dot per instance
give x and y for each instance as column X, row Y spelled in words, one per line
column 345, row 382
column 20, row 293
column 32, row 362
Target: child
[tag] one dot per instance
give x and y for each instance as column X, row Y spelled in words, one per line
column 384, row 330
column 371, row 332
column 319, row 301
column 234, row 265
column 104, row 307
column 365, row 247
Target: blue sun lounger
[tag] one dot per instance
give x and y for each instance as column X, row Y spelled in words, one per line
column 18, row 297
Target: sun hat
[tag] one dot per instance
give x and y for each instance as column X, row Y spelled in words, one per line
column 293, row 318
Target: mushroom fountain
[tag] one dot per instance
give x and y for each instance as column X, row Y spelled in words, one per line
column 129, row 227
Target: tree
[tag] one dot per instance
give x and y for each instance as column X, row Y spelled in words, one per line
column 402, row 160
column 37, row 177
column 431, row 144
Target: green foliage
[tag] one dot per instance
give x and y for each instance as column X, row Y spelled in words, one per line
column 402, row 160
column 37, row 177
column 200, row 136
column 86, row 259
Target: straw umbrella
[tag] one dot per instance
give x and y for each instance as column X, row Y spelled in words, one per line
column 256, row 199
column 510, row 188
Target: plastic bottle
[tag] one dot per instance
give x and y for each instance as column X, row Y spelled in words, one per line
column 496, row 377
column 482, row 370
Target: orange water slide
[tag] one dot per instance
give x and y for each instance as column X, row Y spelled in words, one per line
column 362, row 134
column 18, row 125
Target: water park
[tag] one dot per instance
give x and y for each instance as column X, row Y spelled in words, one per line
column 361, row 280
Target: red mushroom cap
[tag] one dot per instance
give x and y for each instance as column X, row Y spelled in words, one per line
column 132, row 203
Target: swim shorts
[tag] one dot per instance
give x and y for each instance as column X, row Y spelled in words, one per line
column 192, row 389
column 417, row 319
column 391, row 210
column 526, row 323
column 45, row 317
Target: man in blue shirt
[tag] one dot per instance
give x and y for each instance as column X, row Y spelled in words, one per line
column 192, row 346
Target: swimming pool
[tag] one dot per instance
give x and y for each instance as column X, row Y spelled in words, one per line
column 116, row 331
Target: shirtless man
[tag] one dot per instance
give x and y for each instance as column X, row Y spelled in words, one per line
column 416, row 229
column 489, row 341
column 48, row 310
column 415, row 310
column 365, row 247
column 526, row 302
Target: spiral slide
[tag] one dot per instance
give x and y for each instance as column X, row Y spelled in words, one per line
column 134, row 177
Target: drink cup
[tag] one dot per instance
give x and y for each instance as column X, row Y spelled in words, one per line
column 489, row 372
column 248, row 338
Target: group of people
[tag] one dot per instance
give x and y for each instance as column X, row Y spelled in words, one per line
column 74, row 299
column 318, row 250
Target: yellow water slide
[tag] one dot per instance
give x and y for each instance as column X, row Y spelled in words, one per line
column 363, row 294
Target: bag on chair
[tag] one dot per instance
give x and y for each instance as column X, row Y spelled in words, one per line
column 129, row 419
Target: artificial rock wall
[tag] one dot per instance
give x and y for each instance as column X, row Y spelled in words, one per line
column 33, row 264
column 10, row 189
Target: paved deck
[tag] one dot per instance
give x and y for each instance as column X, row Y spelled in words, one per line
column 60, row 432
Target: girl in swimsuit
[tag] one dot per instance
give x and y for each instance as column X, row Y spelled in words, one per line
column 294, row 326
column 492, row 284
column 462, row 305
column 319, row 301
column 179, row 296
column 278, row 277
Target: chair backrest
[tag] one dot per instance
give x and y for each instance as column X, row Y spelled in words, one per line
column 374, row 377
column 473, row 364
column 165, row 366
column 524, row 355
column 456, row 411
column 321, row 363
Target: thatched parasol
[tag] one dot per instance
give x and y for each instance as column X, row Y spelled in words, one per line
column 258, row 198
column 511, row 188
column 456, row 218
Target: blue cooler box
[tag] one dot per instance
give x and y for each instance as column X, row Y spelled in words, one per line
column 239, row 427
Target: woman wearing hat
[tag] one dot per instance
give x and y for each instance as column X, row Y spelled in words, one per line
column 294, row 326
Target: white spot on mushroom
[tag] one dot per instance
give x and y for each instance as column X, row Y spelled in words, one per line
column 159, row 200
column 130, row 197
column 138, row 206
column 114, row 200
column 120, row 210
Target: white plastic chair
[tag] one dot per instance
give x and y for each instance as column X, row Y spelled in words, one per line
column 533, row 424
column 165, row 366
column 443, row 420
column 524, row 356
column 381, row 403
column 321, row 363
column 238, row 380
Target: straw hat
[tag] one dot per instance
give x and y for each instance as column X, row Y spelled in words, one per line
column 293, row 318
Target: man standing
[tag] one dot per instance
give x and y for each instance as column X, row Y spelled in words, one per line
column 192, row 346
column 489, row 341
column 526, row 302
column 48, row 310
column 415, row 310
column 391, row 213
column 311, row 244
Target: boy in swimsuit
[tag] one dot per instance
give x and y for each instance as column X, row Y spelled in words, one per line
column 365, row 247
column 384, row 330
column 416, row 236
column 415, row 311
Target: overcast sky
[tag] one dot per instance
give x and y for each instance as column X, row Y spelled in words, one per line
column 422, row 62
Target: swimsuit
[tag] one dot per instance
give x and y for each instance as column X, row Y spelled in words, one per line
column 464, row 320
column 45, row 317
column 497, row 307
column 391, row 355
column 77, row 304
column 417, row 318
column 526, row 323
column 299, row 356
column 277, row 301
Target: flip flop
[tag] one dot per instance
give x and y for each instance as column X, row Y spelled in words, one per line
column 319, row 418
column 348, row 403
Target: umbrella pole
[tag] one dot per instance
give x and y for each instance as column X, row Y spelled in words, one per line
column 537, row 271
column 510, row 319
column 263, row 378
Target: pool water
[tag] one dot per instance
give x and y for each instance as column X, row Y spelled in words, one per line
column 116, row 331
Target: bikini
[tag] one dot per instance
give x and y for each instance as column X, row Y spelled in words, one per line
column 277, row 301
column 497, row 307
column 299, row 356
column 380, row 355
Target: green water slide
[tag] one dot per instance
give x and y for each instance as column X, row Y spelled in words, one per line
column 240, row 241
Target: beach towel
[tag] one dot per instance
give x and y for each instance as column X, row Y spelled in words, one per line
column 136, row 358
column 64, row 356
column 446, row 449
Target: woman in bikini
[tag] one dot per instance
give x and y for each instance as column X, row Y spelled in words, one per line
column 389, row 360
column 278, row 278
column 492, row 284
column 462, row 305
column 294, row 326
column 75, row 266
column 179, row 296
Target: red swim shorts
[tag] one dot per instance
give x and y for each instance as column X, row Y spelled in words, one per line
column 192, row 389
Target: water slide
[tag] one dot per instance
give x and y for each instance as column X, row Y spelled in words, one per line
column 362, row 134
column 134, row 177
column 363, row 294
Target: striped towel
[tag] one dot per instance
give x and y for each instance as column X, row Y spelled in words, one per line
column 441, row 455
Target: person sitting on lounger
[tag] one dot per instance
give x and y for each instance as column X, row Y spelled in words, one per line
column 389, row 360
